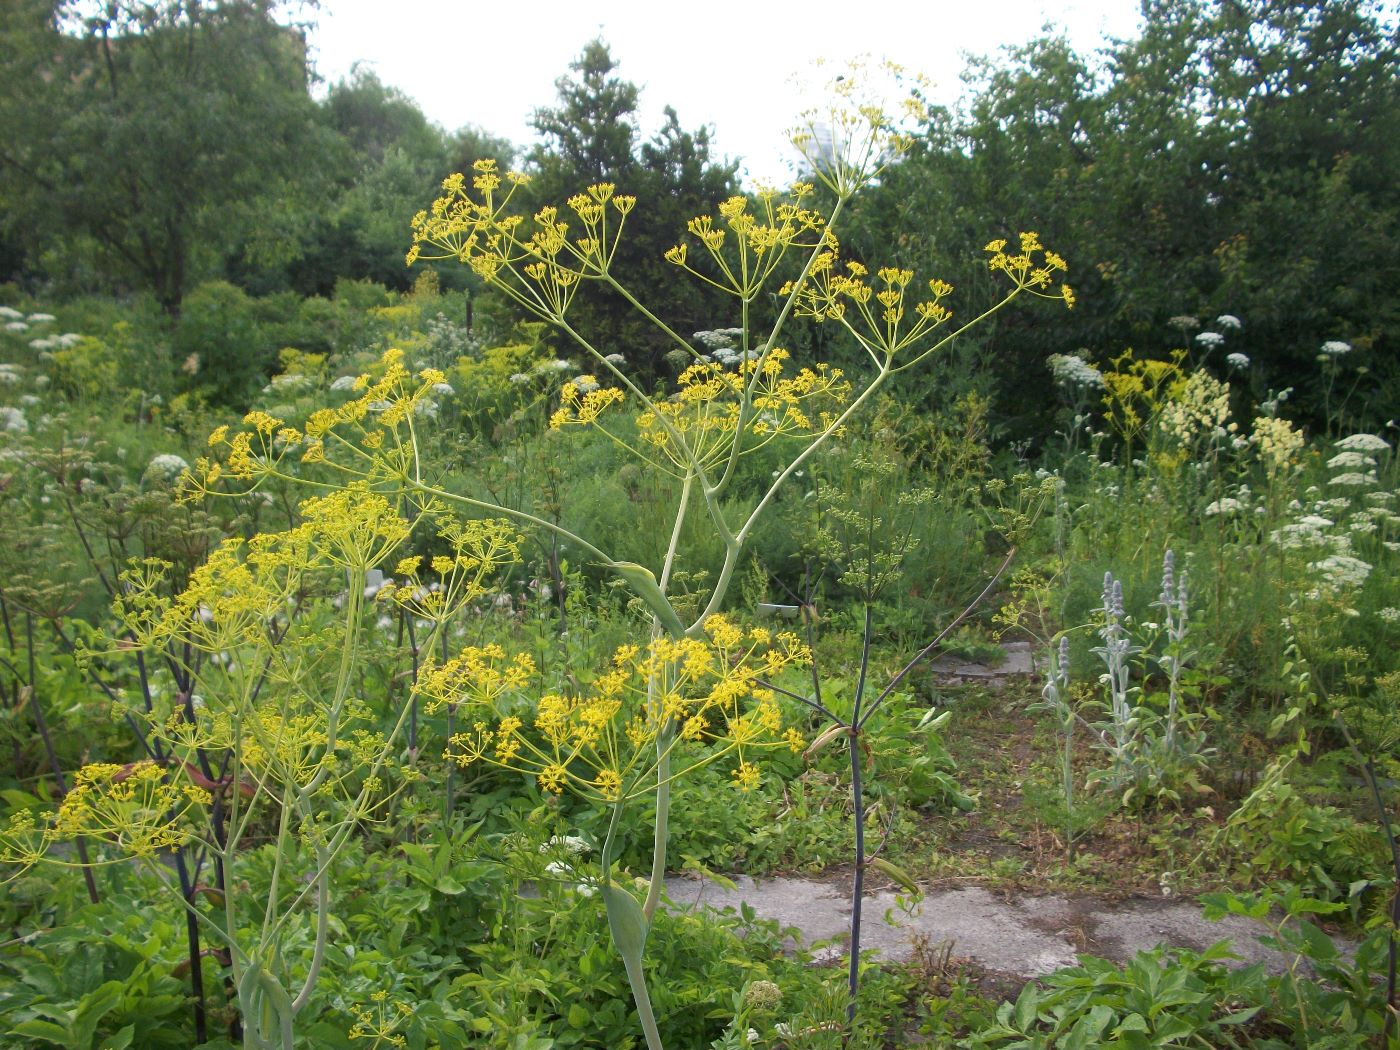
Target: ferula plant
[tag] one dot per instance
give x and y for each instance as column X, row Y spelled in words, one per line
column 695, row 689
column 272, row 739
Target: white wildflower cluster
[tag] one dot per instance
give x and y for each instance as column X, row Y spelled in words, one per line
column 16, row 327
column 1338, row 529
column 9, row 313
column 1350, row 461
column 1362, row 443
column 1335, row 348
column 47, row 344
column 519, row 378
column 1356, row 462
column 1228, row 323
column 1336, row 506
column 1184, row 322
column 1226, row 505
column 289, row 384
column 1237, row 360
column 1342, row 571
column 1202, row 406
column 166, row 467
column 583, row 384
column 1241, row 502
column 1071, row 370
column 1389, row 614
column 572, row 845
column 729, row 357
column 1209, row 340
column 42, row 318
column 12, row 420
column 343, row 384
column 719, row 338
column 1354, row 479
column 9, row 374
column 1309, row 531
column 615, row 359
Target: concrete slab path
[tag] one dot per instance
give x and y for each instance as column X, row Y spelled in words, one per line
column 1022, row 936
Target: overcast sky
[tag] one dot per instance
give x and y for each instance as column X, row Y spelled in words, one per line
column 723, row 63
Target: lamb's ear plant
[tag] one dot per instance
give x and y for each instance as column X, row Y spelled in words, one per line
column 773, row 248
column 1055, row 697
column 1151, row 751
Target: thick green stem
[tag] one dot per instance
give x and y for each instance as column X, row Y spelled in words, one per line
column 661, row 825
column 664, row 740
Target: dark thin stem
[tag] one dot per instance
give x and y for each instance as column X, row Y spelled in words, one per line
column 818, row 708
column 110, row 693
column 865, row 640
column 858, row 815
column 807, row 586
column 1373, row 782
column 858, row 887
column 187, row 890
column 34, row 705
column 87, row 547
column 927, row 650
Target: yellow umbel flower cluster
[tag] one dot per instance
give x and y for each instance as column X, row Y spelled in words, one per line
column 876, row 312
column 698, row 425
column 541, row 269
column 476, row 549
column 746, row 246
column 851, row 140
column 370, row 437
column 235, row 596
column 136, row 808
column 604, row 741
column 381, row 1024
column 1135, row 391
column 1028, row 274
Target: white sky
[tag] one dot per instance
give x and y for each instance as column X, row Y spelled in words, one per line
column 723, row 63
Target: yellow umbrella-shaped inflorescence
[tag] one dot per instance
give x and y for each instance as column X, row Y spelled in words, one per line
column 134, row 807
column 604, row 741
column 540, row 262
column 698, row 423
column 370, row 438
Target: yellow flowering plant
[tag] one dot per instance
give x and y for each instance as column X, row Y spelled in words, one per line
column 685, row 683
column 605, row 742
column 271, row 738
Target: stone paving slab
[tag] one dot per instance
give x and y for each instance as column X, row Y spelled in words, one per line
column 1026, row 936
column 1018, row 662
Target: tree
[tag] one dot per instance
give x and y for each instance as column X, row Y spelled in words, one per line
column 1236, row 157
column 591, row 136
column 153, row 135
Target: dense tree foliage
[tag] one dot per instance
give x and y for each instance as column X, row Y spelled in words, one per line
column 1234, row 158
column 592, row 135
column 142, row 139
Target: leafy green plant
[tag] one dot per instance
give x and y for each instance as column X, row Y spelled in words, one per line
column 1159, row 998
column 105, row 978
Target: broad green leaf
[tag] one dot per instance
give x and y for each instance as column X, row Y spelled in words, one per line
column 644, row 585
